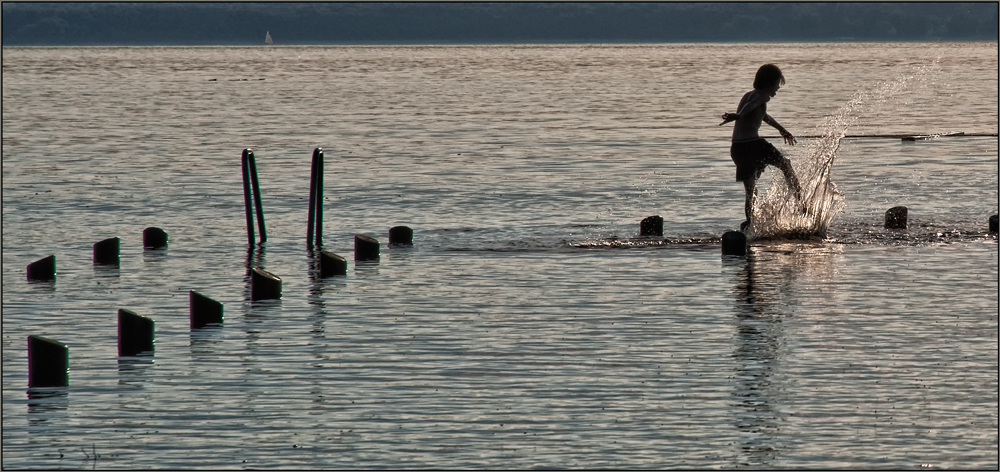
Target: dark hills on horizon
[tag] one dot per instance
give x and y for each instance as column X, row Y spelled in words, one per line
column 70, row 24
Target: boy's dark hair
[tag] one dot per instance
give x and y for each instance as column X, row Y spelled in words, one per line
column 767, row 75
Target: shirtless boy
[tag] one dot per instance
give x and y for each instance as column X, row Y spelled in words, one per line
column 749, row 151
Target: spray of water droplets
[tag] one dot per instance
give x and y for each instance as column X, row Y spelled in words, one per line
column 777, row 214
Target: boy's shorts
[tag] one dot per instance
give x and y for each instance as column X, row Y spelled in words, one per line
column 751, row 157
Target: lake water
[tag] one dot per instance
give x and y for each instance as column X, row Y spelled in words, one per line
column 527, row 326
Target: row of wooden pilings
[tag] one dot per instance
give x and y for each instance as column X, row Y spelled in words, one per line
column 48, row 359
column 734, row 243
column 897, row 218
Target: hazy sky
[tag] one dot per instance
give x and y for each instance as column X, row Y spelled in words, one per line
column 31, row 23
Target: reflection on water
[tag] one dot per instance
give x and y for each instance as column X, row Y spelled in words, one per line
column 366, row 268
column 43, row 286
column 43, row 402
column 134, row 371
column 109, row 272
column 48, row 411
column 763, row 284
column 757, row 351
column 205, row 341
column 255, row 258
column 312, row 255
column 318, row 315
column 154, row 256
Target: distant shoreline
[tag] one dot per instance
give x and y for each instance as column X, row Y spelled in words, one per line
column 406, row 23
column 476, row 44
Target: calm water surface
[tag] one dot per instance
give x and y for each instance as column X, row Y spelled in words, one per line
column 527, row 326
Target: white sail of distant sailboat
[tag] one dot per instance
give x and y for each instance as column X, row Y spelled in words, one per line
column 267, row 39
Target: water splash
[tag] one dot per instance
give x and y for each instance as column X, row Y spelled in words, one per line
column 777, row 214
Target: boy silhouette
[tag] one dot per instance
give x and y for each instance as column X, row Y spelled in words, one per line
column 749, row 151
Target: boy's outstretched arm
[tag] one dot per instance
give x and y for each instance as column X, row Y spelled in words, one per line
column 784, row 132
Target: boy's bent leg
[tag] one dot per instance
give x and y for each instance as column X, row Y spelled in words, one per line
column 750, row 185
column 793, row 181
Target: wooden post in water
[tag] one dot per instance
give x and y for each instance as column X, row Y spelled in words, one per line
column 154, row 238
column 251, row 191
column 366, row 248
column 651, row 226
column 734, row 243
column 895, row 218
column 264, row 285
column 400, row 236
column 316, row 199
column 106, row 252
column 247, row 194
column 331, row 264
column 43, row 269
column 993, row 224
column 256, row 198
column 135, row 334
column 48, row 363
column 204, row 310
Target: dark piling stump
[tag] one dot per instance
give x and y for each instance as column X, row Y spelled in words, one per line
column 331, row 264
column 204, row 310
column 135, row 334
column 366, row 248
column 895, row 218
column 106, row 252
column 264, row 285
column 43, row 269
column 734, row 243
column 400, row 236
column 993, row 224
column 48, row 363
column 154, row 238
column 651, row 226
